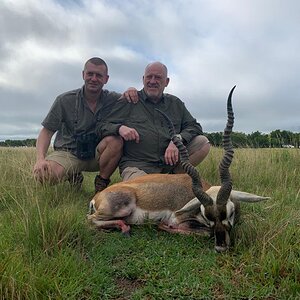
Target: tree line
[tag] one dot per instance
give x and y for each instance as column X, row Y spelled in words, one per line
column 18, row 143
column 275, row 139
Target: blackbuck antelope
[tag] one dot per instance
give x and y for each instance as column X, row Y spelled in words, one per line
column 169, row 199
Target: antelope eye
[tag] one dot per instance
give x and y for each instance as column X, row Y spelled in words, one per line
column 223, row 215
column 231, row 215
column 210, row 218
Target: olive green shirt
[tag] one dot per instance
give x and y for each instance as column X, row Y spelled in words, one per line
column 70, row 115
column 152, row 128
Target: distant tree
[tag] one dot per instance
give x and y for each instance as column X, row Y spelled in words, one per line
column 240, row 139
column 258, row 140
column 215, row 138
column 30, row 142
column 18, row 143
column 296, row 140
column 275, row 138
column 283, row 137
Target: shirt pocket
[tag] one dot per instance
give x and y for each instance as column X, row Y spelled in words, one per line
column 136, row 121
column 145, row 129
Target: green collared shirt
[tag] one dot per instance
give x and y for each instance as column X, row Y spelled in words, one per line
column 70, row 115
column 151, row 126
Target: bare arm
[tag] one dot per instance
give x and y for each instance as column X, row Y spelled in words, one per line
column 41, row 167
column 129, row 134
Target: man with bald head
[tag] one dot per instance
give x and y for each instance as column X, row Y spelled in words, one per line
column 148, row 147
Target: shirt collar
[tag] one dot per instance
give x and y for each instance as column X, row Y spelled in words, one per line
column 145, row 97
column 101, row 96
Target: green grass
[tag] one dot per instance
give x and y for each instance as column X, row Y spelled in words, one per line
column 48, row 250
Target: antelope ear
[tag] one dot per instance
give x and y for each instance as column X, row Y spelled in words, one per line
column 246, row 197
column 192, row 206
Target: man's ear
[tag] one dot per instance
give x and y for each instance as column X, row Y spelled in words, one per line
column 167, row 81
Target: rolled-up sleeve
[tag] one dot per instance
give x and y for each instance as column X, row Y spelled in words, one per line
column 110, row 124
column 54, row 118
column 190, row 127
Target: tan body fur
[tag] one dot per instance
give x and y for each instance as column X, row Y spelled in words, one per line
column 153, row 191
column 153, row 197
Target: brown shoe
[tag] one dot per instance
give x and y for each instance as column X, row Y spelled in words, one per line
column 100, row 183
column 76, row 180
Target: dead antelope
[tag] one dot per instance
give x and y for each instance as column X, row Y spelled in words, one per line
column 169, row 199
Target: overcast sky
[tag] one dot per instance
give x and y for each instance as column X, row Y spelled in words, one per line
column 207, row 45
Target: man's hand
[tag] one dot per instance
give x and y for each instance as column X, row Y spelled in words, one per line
column 131, row 95
column 171, row 154
column 41, row 170
column 129, row 134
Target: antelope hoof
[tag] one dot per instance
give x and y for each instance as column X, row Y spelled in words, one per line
column 126, row 234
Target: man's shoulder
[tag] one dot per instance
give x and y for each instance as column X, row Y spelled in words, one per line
column 111, row 94
column 68, row 94
column 172, row 97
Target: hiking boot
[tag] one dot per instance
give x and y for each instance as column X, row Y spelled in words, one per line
column 76, row 180
column 100, row 183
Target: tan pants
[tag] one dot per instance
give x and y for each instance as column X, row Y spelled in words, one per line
column 72, row 164
column 195, row 145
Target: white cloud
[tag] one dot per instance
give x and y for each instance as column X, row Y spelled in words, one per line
column 208, row 46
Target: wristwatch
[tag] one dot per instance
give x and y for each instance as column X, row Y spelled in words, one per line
column 179, row 136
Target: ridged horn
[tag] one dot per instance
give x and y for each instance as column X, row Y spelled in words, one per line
column 186, row 165
column 226, row 181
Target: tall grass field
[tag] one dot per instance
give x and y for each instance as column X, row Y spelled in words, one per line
column 49, row 251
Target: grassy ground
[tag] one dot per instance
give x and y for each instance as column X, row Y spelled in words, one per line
column 48, row 251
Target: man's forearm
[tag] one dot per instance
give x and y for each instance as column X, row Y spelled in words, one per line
column 43, row 143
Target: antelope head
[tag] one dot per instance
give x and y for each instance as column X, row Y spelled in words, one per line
column 218, row 208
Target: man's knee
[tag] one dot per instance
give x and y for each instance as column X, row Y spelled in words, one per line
column 54, row 173
column 205, row 145
column 113, row 142
column 199, row 144
column 132, row 172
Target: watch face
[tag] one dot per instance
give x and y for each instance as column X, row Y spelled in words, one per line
column 179, row 136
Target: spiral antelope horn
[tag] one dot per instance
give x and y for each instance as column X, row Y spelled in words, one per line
column 226, row 181
column 186, row 165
